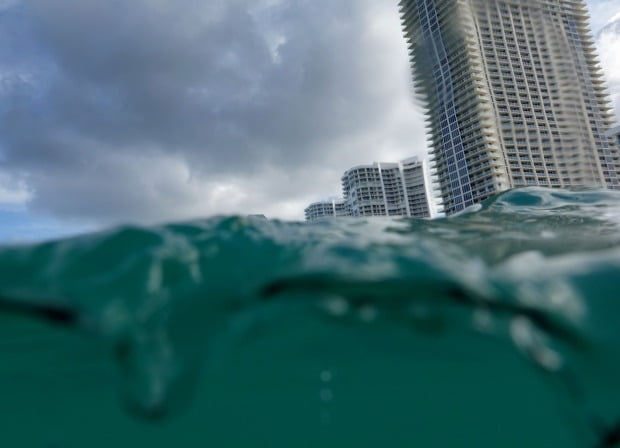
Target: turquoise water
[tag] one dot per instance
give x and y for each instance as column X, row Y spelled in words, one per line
column 496, row 328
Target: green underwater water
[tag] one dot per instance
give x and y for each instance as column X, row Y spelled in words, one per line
column 499, row 327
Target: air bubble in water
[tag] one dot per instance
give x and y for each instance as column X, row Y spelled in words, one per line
column 336, row 306
column 326, row 395
column 368, row 313
column 326, row 376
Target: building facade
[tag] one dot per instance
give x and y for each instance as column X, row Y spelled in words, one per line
column 615, row 135
column 513, row 96
column 379, row 189
column 325, row 209
column 417, row 187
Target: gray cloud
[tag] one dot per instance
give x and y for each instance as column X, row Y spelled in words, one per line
column 163, row 109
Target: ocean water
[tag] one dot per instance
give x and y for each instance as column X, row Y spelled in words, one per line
column 499, row 327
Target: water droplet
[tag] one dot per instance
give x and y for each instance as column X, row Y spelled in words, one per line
column 326, row 395
column 368, row 313
column 336, row 306
column 326, row 376
column 483, row 321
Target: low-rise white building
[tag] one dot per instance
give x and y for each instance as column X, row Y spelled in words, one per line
column 380, row 189
column 325, row 209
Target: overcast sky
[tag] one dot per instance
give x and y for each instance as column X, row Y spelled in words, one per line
column 156, row 110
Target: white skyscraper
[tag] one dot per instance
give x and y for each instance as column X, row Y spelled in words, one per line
column 513, row 94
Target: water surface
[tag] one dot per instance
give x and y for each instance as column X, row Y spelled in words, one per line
column 498, row 327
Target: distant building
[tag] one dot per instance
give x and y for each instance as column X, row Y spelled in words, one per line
column 379, row 189
column 325, row 209
column 514, row 96
column 387, row 189
column 417, row 187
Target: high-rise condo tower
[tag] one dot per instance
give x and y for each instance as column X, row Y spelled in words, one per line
column 513, row 93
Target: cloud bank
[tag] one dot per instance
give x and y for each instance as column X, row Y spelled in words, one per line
column 156, row 110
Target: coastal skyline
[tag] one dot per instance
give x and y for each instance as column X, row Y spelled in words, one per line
column 380, row 189
column 212, row 115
